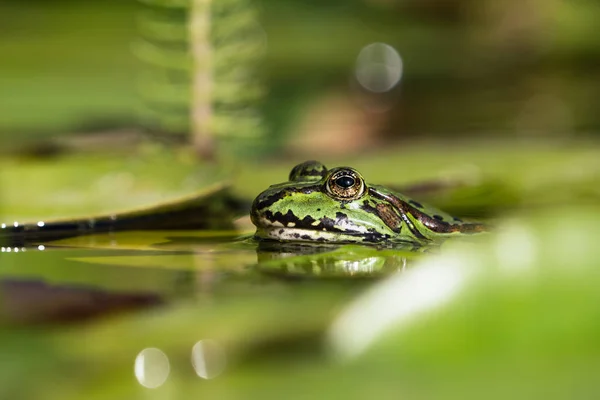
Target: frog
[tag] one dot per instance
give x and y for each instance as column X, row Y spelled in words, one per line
column 337, row 205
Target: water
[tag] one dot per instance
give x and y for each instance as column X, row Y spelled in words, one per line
column 87, row 276
column 174, row 314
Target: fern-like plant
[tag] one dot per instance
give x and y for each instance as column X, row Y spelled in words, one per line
column 199, row 74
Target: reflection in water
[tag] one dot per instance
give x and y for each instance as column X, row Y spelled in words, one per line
column 16, row 249
column 34, row 302
column 208, row 359
column 85, row 277
column 13, row 249
column 151, row 367
column 295, row 260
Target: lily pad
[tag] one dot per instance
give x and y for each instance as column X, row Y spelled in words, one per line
column 99, row 193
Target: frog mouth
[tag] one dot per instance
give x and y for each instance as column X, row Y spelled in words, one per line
column 315, row 230
column 303, row 234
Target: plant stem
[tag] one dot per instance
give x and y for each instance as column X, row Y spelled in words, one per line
column 202, row 137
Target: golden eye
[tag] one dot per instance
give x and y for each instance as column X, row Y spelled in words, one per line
column 345, row 184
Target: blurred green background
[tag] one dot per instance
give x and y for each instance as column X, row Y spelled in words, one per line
column 481, row 68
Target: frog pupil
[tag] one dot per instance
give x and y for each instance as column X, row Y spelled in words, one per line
column 345, row 181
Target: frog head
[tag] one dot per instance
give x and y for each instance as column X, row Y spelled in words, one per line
column 321, row 205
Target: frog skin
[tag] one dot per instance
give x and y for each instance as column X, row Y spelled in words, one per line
column 337, row 206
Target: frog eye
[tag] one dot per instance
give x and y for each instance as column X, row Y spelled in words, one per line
column 345, row 184
column 308, row 171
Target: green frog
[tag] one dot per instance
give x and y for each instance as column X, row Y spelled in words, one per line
column 337, row 206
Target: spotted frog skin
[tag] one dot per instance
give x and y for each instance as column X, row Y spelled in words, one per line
column 337, row 206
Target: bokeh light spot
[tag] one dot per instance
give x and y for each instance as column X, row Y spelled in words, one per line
column 378, row 67
column 208, row 359
column 151, row 367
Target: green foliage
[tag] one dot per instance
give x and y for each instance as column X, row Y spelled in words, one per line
column 66, row 67
column 236, row 42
